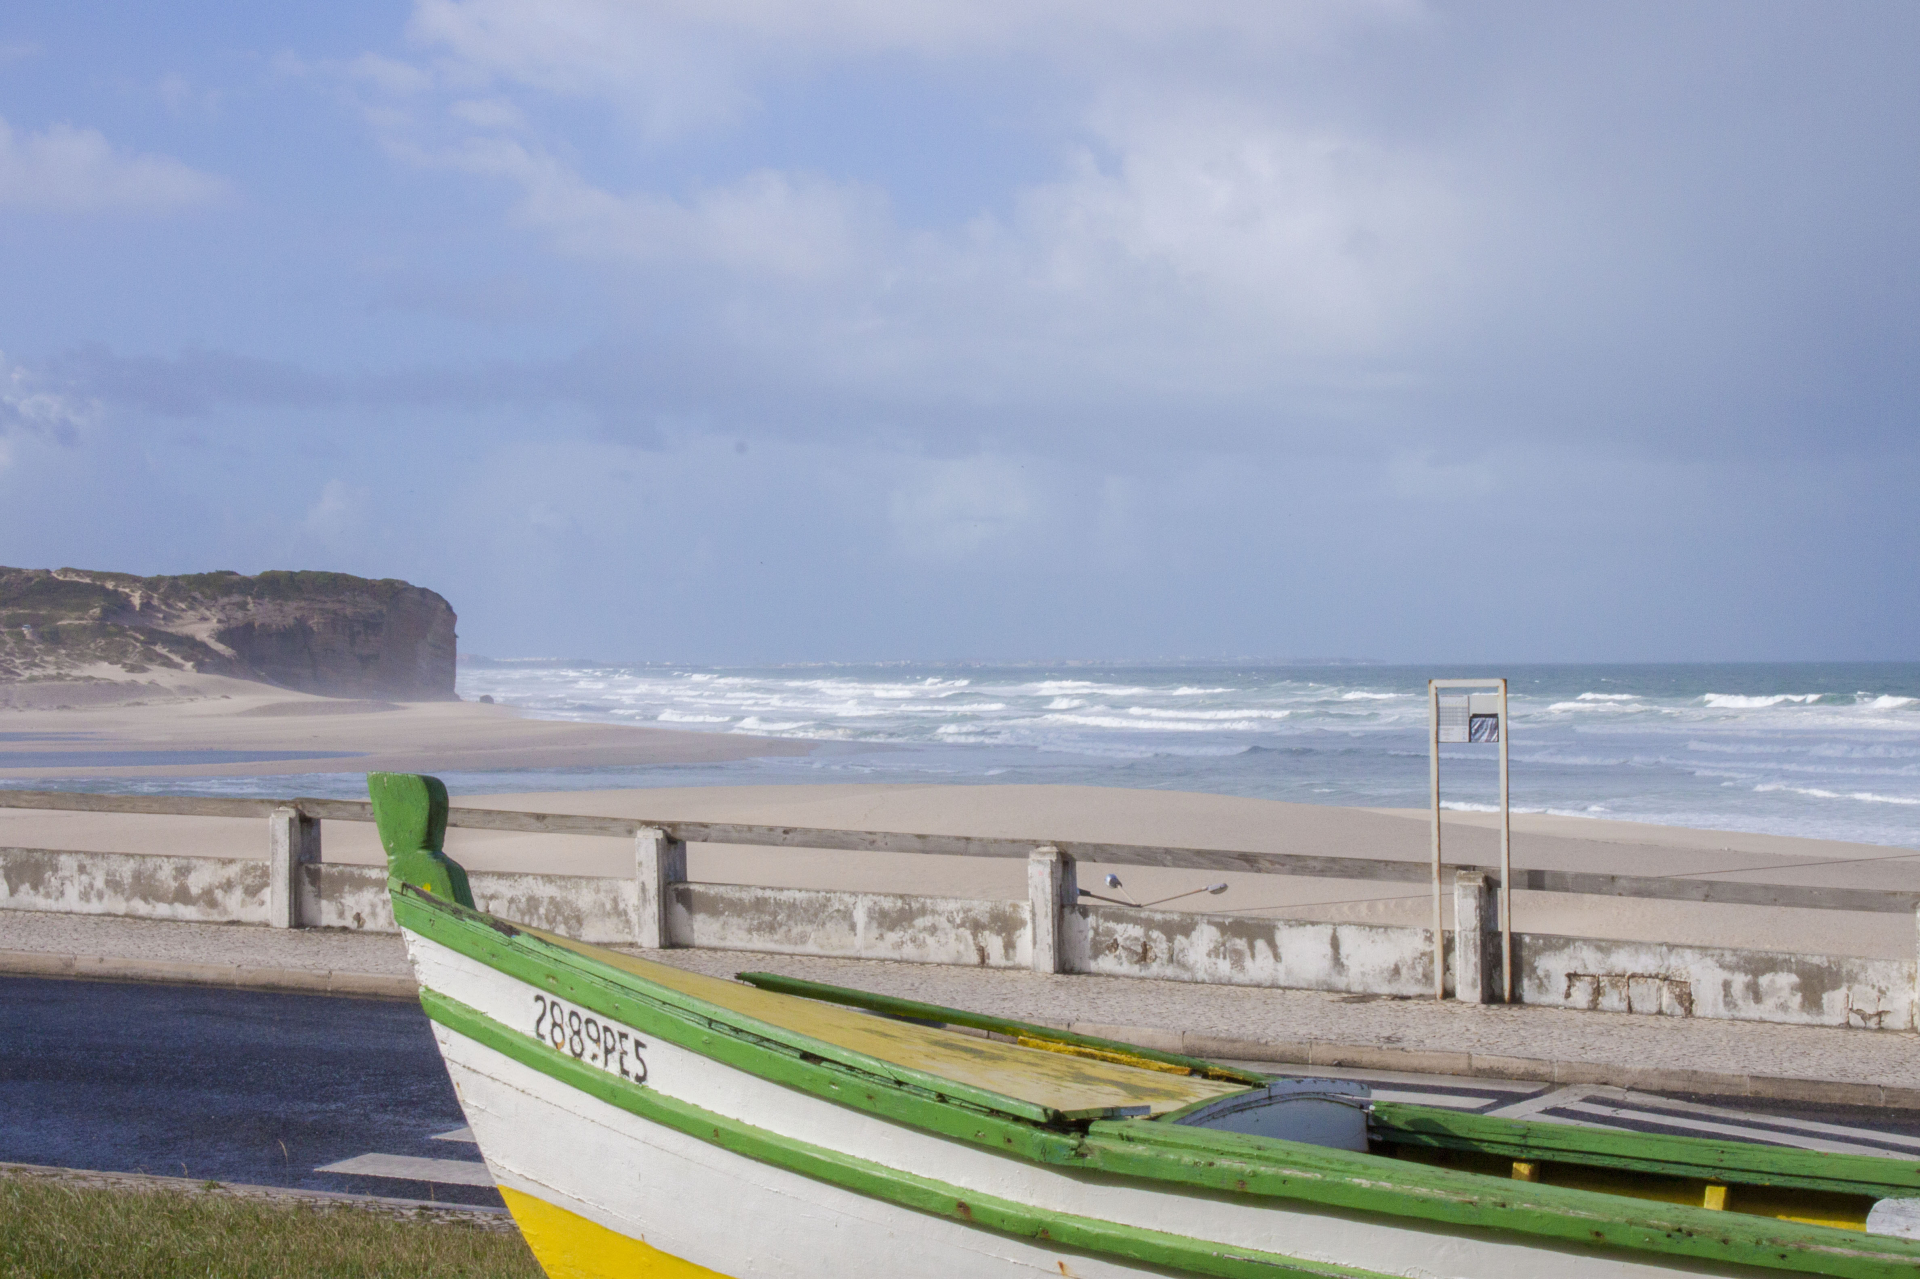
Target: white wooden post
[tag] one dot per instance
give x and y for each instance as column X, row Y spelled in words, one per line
column 659, row 862
column 1475, row 932
column 1433, row 762
column 293, row 841
column 1506, row 860
column 1052, row 886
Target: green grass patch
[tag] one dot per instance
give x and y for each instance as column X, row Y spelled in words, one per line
column 50, row 1229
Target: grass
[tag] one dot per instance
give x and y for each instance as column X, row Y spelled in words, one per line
column 49, row 1230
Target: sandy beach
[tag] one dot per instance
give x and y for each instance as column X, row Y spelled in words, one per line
column 130, row 736
column 358, row 737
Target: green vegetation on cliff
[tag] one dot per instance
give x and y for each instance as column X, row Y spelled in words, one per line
column 314, row 632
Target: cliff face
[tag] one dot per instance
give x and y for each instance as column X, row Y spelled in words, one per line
column 326, row 633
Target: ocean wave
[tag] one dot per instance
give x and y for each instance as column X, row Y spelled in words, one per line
column 1049, row 687
column 1590, row 813
column 1834, row 762
column 1157, row 725
column 1155, row 713
column 1741, row 702
column 1815, row 792
column 1741, row 748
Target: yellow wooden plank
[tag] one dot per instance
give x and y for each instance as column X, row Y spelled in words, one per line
column 1045, row 1078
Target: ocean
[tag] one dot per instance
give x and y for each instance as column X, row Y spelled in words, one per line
column 1828, row 751
column 1824, row 750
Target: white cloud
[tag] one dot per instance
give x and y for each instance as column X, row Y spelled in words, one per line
column 676, row 65
column 766, row 224
column 29, row 407
column 1202, row 235
column 69, row 169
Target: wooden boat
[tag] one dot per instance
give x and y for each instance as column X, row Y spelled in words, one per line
column 645, row 1121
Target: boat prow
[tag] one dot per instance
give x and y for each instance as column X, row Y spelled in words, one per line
column 644, row 1120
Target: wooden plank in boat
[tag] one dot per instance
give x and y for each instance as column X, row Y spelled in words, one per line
column 1055, row 1080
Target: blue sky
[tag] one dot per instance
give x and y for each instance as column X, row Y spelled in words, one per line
column 735, row 332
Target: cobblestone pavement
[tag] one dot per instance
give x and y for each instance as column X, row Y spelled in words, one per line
column 1272, row 1016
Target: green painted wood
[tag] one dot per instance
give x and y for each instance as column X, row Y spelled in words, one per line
column 694, row 1024
column 877, row 1181
column 1260, row 1166
column 1157, row 1152
column 1733, row 1161
column 410, row 812
column 913, row 1010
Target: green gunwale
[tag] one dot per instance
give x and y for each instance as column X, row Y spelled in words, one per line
column 877, row 1181
column 1735, row 1162
column 1196, row 1158
column 777, row 1054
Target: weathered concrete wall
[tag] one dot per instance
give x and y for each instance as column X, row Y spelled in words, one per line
column 1233, row 950
column 800, row 921
column 225, row 890
column 1698, row 981
column 182, row 888
column 336, row 896
column 583, row 907
column 1568, row 972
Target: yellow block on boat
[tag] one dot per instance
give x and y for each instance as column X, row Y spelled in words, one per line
column 568, row 1246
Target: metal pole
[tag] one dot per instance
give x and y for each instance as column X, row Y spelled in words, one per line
column 1433, row 756
column 1506, row 860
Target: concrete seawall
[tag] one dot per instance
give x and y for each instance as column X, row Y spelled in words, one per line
column 1672, row 979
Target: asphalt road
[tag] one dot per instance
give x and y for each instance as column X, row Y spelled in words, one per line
column 326, row 1093
column 241, row 1086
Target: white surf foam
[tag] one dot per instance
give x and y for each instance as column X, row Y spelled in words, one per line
column 1739, row 702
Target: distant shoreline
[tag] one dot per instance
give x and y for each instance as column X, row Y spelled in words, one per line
column 306, row 734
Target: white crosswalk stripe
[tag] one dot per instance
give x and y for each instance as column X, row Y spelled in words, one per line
column 1762, row 1121
column 451, row 1172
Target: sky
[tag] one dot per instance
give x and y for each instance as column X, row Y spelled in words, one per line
column 735, row 332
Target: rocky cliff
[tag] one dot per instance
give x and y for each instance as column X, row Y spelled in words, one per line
column 326, row 633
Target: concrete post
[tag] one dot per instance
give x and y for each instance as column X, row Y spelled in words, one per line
column 1476, row 938
column 659, row 862
column 293, row 841
column 1915, row 1023
column 1052, row 886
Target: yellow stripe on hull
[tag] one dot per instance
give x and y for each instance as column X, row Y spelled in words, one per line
column 568, row 1246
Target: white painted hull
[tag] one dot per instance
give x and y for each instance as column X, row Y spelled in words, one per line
column 738, row 1216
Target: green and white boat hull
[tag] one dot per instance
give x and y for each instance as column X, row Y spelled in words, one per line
column 644, row 1121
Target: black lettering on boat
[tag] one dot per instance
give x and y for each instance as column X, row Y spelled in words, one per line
column 589, row 1038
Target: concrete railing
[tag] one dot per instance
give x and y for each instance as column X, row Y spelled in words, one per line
column 1054, row 930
